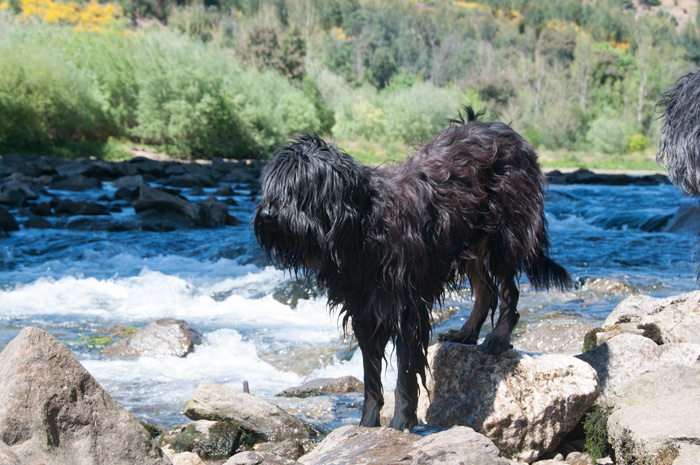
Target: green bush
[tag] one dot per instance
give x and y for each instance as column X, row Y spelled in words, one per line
column 638, row 142
column 361, row 119
column 607, row 135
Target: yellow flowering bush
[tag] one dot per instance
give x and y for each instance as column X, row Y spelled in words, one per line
column 91, row 16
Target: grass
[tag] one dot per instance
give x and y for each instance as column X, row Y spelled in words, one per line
column 633, row 161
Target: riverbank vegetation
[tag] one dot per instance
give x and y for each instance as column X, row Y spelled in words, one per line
column 232, row 78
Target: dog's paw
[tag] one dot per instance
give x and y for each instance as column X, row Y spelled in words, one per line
column 460, row 336
column 495, row 344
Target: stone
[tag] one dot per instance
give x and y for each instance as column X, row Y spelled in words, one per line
column 325, row 386
column 52, row 411
column 149, row 198
column 677, row 317
column 7, row 221
column 225, row 191
column 160, row 338
column 37, row 222
column 610, row 286
column 183, row 458
column 128, row 182
column 15, row 193
column 686, row 220
column 258, row 458
column 77, row 183
column 207, row 439
column 290, row 449
column 355, row 445
column 627, row 356
column 554, row 338
column 213, row 214
column 215, row 402
column 525, row 403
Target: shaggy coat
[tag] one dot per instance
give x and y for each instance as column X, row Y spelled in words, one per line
column 385, row 242
column 679, row 146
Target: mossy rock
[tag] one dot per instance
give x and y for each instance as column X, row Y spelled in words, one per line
column 590, row 340
column 652, row 331
column 595, row 427
column 212, row 440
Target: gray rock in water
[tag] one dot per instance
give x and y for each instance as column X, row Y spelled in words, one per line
column 686, row 220
column 555, row 338
column 77, row 183
column 627, row 356
column 215, row 402
column 158, row 338
column 7, row 221
column 677, row 318
column 15, row 193
column 525, row 403
column 354, row 445
column 325, row 386
column 154, row 199
column 53, row 411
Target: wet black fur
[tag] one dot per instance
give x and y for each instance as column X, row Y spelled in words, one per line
column 679, row 145
column 385, row 241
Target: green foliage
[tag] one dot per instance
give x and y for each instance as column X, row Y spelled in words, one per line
column 153, row 431
column 590, row 340
column 222, row 440
column 595, row 427
column 638, row 142
column 607, row 135
column 652, row 331
column 361, row 119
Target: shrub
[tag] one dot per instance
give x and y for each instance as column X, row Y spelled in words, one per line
column 607, row 135
column 361, row 119
column 638, row 142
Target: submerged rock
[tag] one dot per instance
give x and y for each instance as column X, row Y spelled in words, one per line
column 215, row 402
column 355, row 445
column 325, row 386
column 53, row 411
column 158, row 338
column 525, row 403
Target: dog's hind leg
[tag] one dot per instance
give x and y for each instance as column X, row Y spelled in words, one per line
column 372, row 339
column 406, row 393
column 485, row 299
column 499, row 339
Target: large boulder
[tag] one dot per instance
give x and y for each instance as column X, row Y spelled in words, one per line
column 215, row 402
column 53, row 411
column 355, row 445
column 677, row 318
column 627, row 356
column 525, row 403
column 15, row 193
column 652, row 421
column 159, row 338
column 149, row 198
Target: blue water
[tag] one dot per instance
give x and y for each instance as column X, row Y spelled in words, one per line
column 77, row 283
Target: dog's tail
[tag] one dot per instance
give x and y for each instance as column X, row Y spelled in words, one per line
column 544, row 274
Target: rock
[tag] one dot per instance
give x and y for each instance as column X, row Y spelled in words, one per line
column 128, row 182
column 183, row 458
column 160, row 338
column 52, row 411
column 610, row 286
column 677, row 317
column 15, row 193
column 207, row 439
column 290, row 449
column 325, row 386
column 627, row 356
column 525, row 403
column 196, row 179
column 258, row 458
column 7, row 221
column 213, row 214
column 77, row 183
column 41, row 209
column 221, row 403
column 37, row 222
column 354, row 445
column 224, row 191
column 7, row 457
column 686, row 220
column 554, row 338
column 150, row 198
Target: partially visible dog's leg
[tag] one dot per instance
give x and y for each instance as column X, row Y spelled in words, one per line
column 406, row 393
column 485, row 298
column 499, row 339
column 372, row 339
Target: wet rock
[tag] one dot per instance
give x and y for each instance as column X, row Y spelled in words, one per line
column 41, row 209
column 207, row 439
column 258, row 458
column 610, row 286
column 354, row 445
column 148, row 198
column 77, row 183
column 686, row 220
column 15, row 194
column 225, row 191
column 627, row 356
column 37, row 222
column 584, row 176
column 325, row 386
column 53, row 411
column 555, row 338
column 215, row 214
column 524, row 403
column 191, row 180
column 677, row 318
column 7, row 221
column 129, row 182
column 160, row 338
column 221, row 403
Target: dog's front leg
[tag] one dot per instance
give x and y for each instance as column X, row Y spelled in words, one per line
column 499, row 339
column 372, row 340
column 406, row 393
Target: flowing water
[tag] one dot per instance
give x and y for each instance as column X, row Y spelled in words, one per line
column 261, row 326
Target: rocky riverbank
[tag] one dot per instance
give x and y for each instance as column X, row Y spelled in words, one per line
column 39, row 192
column 637, row 380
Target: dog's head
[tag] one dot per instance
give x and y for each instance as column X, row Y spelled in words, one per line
column 314, row 197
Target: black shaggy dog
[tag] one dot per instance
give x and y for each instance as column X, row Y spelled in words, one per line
column 679, row 146
column 384, row 242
